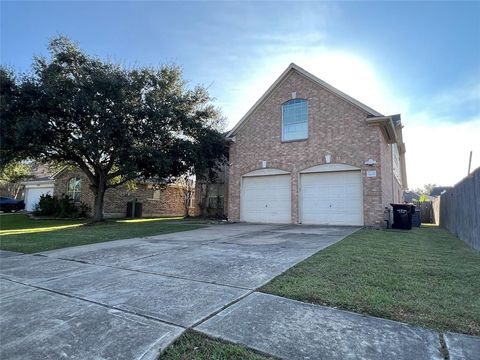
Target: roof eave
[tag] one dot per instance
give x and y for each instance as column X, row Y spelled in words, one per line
column 386, row 126
column 34, row 182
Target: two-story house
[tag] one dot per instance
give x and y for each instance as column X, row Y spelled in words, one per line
column 308, row 153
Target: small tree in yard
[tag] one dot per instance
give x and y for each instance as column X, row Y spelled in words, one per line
column 11, row 176
column 426, row 190
column 186, row 183
column 115, row 124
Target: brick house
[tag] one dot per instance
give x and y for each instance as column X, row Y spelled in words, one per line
column 308, row 153
column 155, row 202
column 74, row 183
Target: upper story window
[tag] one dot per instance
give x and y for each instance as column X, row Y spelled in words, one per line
column 74, row 188
column 295, row 120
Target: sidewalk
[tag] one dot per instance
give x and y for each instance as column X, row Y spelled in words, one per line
column 293, row 330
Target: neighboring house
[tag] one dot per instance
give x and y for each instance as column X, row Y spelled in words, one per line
column 410, row 197
column 74, row 183
column 439, row 190
column 40, row 170
column 308, row 153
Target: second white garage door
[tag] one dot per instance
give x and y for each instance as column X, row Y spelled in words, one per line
column 331, row 198
column 266, row 199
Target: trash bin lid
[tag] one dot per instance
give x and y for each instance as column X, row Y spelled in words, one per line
column 408, row 207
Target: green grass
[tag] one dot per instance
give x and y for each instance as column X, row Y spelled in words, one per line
column 426, row 277
column 20, row 233
column 195, row 346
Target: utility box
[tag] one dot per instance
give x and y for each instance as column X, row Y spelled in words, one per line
column 134, row 209
column 402, row 216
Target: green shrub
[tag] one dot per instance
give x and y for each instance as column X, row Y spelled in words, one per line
column 46, row 206
column 61, row 207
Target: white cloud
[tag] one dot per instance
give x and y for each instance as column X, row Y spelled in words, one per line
column 439, row 137
column 438, row 154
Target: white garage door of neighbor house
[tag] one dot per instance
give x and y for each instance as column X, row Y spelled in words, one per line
column 266, row 199
column 332, row 198
column 32, row 196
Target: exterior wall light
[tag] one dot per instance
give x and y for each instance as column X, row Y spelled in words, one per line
column 370, row 162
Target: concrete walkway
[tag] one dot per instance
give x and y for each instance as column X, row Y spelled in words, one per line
column 293, row 330
column 129, row 299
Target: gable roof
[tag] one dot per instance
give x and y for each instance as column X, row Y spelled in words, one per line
column 45, row 179
column 316, row 80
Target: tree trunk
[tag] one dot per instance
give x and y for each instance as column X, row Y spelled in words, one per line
column 186, row 201
column 99, row 193
column 187, row 208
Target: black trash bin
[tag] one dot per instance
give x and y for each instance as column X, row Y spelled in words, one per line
column 402, row 216
column 134, row 209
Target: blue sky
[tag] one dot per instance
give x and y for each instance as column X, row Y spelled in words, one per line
column 420, row 59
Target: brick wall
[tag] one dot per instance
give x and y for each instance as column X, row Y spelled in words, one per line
column 387, row 173
column 170, row 202
column 334, row 126
column 391, row 188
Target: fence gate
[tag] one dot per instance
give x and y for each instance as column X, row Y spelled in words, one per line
column 426, row 212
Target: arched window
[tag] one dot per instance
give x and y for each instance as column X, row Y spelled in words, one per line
column 295, row 120
column 74, row 188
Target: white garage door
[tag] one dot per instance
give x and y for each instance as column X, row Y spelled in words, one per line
column 266, row 199
column 32, row 196
column 332, row 198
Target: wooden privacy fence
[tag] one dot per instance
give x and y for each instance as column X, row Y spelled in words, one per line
column 426, row 212
column 460, row 209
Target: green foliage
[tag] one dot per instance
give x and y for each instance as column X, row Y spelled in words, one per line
column 47, row 205
column 20, row 233
column 426, row 190
column 11, row 176
column 60, row 207
column 115, row 124
column 14, row 172
column 9, row 110
column 195, row 346
column 426, row 276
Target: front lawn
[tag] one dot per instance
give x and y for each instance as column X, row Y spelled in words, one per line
column 194, row 346
column 20, row 233
column 426, row 276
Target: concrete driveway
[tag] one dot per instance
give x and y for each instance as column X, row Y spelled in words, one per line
column 129, row 299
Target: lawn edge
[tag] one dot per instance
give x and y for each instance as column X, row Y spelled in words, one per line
column 218, row 340
column 438, row 330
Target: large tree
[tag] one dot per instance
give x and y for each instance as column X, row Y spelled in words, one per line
column 116, row 124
